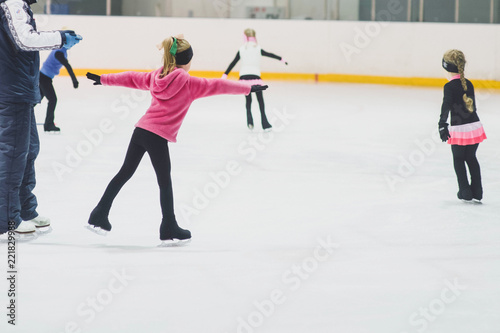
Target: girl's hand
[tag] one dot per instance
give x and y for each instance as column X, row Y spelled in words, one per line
column 94, row 77
column 256, row 88
column 444, row 133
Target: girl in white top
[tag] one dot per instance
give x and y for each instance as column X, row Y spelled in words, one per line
column 250, row 54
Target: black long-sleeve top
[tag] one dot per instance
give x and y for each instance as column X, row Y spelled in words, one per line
column 454, row 105
column 237, row 58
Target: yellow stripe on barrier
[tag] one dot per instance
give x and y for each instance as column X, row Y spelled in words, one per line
column 307, row 77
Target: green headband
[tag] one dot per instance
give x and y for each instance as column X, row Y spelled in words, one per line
column 173, row 49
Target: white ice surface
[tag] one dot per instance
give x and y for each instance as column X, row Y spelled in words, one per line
column 254, row 264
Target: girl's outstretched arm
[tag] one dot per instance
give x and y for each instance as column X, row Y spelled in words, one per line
column 272, row 55
column 201, row 87
column 231, row 66
column 60, row 57
column 135, row 80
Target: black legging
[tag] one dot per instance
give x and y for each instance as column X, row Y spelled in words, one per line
column 157, row 147
column 260, row 99
column 47, row 90
column 467, row 154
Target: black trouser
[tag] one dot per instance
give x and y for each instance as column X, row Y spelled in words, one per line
column 19, row 148
column 157, row 148
column 461, row 156
column 260, row 99
column 47, row 90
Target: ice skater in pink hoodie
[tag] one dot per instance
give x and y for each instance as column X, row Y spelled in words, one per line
column 173, row 90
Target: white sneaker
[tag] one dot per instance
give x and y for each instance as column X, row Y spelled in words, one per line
column 40, row 221
column 25, row 228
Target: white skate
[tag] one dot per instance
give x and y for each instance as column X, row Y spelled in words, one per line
column 97, row 230
column 25, row 232
column 42, row 224
column 175, row 242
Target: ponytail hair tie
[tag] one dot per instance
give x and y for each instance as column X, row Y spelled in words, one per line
column 173, row 49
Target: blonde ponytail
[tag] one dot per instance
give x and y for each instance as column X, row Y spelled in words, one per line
column 457, row 58
column 250, row 33
column 169, row 63
column 469, row 103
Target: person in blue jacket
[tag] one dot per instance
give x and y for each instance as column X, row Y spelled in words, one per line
column 50, row 69
column 20, row 43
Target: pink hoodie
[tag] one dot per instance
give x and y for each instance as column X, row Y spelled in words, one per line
column 172, row 96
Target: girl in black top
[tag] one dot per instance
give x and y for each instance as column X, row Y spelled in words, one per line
column 466, row 131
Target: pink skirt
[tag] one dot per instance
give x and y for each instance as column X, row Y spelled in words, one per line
column 467, row 134
column 254, row 82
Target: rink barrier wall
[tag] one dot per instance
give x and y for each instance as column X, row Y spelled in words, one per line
column 306, row 77
column 379, row 52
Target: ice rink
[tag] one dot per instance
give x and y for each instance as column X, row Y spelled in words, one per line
column 343, row 219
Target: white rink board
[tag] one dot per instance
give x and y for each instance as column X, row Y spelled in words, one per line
column 323, row 47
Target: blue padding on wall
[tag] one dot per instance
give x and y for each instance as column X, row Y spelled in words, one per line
column 59, row 9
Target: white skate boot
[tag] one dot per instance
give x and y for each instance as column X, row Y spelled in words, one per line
column 41, row 224
column 25, row 228
column 24, row 232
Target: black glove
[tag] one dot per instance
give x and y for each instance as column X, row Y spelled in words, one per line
column 75, row 83
column 94, row 77
column 444, row 133
column 256, row 88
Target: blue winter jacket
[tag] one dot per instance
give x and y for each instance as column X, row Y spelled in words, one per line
column 20, row 44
